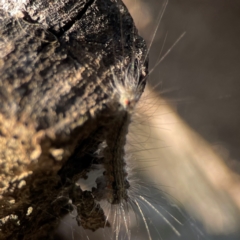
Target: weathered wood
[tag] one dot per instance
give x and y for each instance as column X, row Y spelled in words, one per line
column 56, row 63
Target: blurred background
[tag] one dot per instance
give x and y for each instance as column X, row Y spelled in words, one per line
column 185, row 136
column 192, row 109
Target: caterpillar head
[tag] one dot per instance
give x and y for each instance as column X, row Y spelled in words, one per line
column 129, row 85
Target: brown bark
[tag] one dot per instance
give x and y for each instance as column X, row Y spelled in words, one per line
column 56, row 62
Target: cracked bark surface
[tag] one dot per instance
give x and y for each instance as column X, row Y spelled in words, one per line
column 56, row 63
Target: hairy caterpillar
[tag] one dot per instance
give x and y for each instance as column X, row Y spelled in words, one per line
column 118, row 192
column 148, row 217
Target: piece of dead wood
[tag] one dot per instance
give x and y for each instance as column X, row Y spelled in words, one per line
column 56, row 62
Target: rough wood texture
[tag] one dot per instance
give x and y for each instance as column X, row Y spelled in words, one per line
column 56, row 63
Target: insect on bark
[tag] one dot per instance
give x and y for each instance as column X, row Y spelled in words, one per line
column 72, row 70
column 115, row 183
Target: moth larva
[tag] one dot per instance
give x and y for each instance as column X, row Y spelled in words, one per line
column 113, row 185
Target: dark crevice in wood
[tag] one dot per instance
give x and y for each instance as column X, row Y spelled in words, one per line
column 72, row 22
